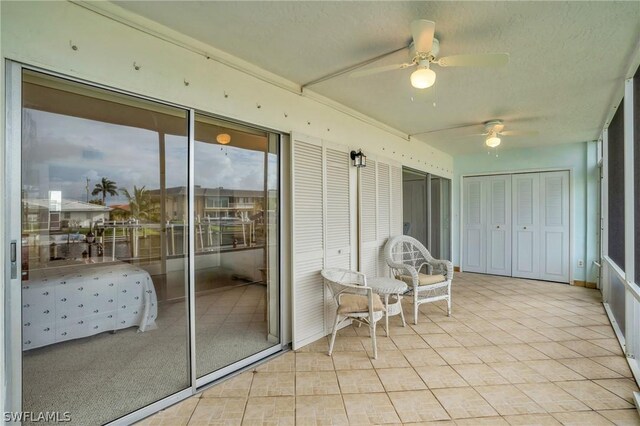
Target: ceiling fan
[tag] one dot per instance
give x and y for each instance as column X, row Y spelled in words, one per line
column 494, row 129
column 423, row 52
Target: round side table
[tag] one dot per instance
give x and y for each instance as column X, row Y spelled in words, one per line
column 389, row 287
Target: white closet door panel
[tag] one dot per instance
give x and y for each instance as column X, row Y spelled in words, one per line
column 526, row 225
column 338, row 196
column 499, row 225
column 474, row 259
column 384, row 215
column 308, row 243
column 554, row 226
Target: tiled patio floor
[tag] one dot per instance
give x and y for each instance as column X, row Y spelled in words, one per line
column 516, row 352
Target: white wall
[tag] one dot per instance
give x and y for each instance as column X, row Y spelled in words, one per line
column 580, row 158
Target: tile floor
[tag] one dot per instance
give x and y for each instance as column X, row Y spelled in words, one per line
column 516, row 352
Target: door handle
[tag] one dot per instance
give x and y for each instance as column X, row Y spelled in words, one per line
column 14, row 259
column 498, row 227
column 525, row 227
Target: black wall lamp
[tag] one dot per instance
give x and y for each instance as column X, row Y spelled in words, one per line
column 358, row 158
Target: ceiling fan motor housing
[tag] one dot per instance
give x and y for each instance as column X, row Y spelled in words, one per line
column 415, row 56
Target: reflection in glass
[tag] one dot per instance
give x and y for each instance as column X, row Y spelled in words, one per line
column 236, row 210
column 103, row 288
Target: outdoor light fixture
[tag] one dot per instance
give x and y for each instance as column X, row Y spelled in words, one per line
column 223, row 138
column 423, row 77
column 492, row 141
column 358, row 158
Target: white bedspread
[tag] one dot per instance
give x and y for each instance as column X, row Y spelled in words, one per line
column 71, row 302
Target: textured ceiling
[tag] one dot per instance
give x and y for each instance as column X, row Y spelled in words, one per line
column 567, row 59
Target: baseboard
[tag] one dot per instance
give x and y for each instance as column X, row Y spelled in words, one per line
column 586, row 284
column 456, row 269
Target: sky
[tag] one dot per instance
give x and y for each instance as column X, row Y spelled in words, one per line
column 60, row 152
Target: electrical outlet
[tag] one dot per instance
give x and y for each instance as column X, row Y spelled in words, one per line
column 580, row 263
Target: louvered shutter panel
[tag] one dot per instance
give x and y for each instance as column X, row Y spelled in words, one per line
column 368, row 220
column 308, row 243
column 396, row 201
column 338, row 219
column 384, row 215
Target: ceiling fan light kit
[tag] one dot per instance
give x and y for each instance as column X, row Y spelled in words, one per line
column 492, row 141
column 423, row 77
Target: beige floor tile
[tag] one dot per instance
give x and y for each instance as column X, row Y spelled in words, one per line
column 390, row 359
column 426, row 328
column 177, row 414
column 517, row 372
column 383, row 344
column 594, row 396
column 458, row 356
column 221, row 411
column 413, row 341
column 320, row 410
column 590, row 418
column 622, row 417
column 589, row 369
column 370, row 408
column 501, row 337
column 347, row 344
column 612, row 345
column 464, row 403
column 423, row 357
column 455, row 326
column 440, row 341
column 417, row 406
column 586, row 348
column 440, row 377
column 605, row 330
column 624, row 388
column 280, row 364
column 273, row 384
column 616, row 363
column 359, row 381
column 320, row 345
column 584, row 332
column 316, row 383
column 237, row 386
column 479, row 374
column 313, row 361
column 555, row 334
column 270, row 410
column 400, row 379
column 469, row 339
column 491, row 354
column 553, row 371
column 352, row 360
column 555, row 350
column 509, row 400
column 523, row 352
column 532, row 420
column 551, row 397
column 527, row 335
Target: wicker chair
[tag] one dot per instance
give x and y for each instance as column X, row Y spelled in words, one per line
column 407, row 258
column 354, row 301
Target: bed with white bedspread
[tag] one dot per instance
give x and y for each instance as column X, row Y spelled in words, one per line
column 70, row 302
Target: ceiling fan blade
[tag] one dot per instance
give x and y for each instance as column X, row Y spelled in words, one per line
column 479, row 60
column 376, row 70
column 422, row 33
column 519, row 133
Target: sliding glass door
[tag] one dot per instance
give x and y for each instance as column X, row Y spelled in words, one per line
column 137, row 273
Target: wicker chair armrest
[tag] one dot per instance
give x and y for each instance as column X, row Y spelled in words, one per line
column 445, row 266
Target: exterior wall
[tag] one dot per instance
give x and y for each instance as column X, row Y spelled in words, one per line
column 580, row 158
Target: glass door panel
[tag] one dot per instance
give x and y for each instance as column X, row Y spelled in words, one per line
column 104, row 307
column 236, row 243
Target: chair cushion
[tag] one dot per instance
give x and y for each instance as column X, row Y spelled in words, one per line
column 423, row 279
column 358, row 303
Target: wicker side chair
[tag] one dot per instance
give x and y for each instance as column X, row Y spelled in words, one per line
column 429, row 279
column 355, row 301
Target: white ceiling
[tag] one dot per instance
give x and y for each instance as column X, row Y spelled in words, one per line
column 567, row 59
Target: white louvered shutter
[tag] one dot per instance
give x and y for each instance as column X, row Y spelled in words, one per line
column 396, row 201
column 308, row 242
column 338, row 201
column 368, row 219
column 384, row 215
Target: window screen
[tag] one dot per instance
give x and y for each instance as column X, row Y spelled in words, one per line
column 636, row 167
column 616, row 187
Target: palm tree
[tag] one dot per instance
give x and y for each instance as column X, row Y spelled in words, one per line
column 105, row 187
column 142, row 205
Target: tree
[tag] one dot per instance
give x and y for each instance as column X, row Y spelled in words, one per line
column 142, row 205
column 105, row 187
column 97, row 201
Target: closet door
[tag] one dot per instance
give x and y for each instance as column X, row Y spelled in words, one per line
column 498, row 196
column 384, row 215
column 554, row 226
column 474, row 259
column 368, row 219
column 308, row 241
column 526, row 225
